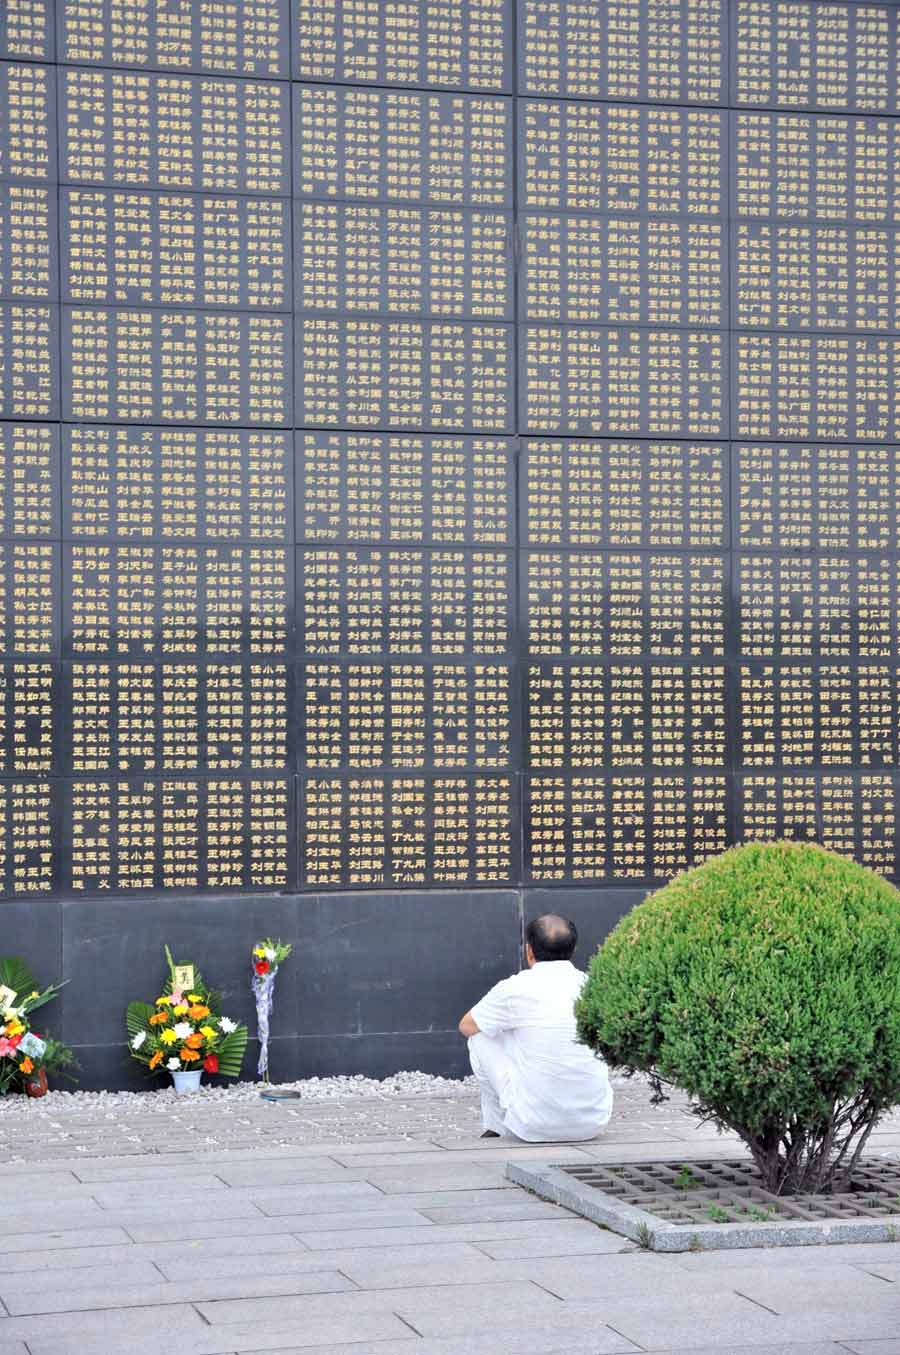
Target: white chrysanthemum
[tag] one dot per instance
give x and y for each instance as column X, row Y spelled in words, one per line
column 173, row 1065
column 270, row 952
column 227, row 1024
column 183, row 1029
column 139, row 1039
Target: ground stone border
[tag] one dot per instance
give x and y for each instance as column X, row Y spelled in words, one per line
column 550, row 1183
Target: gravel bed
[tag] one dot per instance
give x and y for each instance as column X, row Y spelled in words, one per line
column 161, row 1100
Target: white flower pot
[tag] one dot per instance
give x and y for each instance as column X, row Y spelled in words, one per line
column 187, row 1081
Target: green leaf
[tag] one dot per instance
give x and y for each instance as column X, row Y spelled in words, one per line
column 15, row 974
column 137, row 1019
column 45, row 997
column 231, row 1052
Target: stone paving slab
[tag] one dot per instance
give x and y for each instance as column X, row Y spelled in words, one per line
column 41, row 1279
column 470, row 1304
column 384, row 1236
column 800, row 1348
column 80, row 1298
column 98, row 1331
column 885, row 1270
column 552, row 1241
column 662, row 1321
column 538, row 1233
column 71, row 1258
column 439, row 1208
column 255, row 1229
column 66, row 1239
column 791, row 1288
column 106, row 1337
column 431, row 1258
column 535, row 1341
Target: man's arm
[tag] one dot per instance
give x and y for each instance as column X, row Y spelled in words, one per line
column 493, row 1013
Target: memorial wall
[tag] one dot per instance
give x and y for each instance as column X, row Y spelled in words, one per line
column 444, row 444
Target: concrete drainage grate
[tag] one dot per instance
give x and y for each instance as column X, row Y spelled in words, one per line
column 674, row 1206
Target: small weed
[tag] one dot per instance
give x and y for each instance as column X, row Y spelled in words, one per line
column 758, row 1215
column 685, row 1178
column 892, row 1233
column 644, row 1236
column 717, row 1213
column 694, row 1244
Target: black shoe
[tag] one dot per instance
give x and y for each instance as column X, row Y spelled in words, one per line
column 490, row 1134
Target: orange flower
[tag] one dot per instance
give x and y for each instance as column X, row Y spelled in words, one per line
column 26, row 1066
column 198, row 1012
column 156, row 1060
column 189, row 1055
column 194, row 1041
column 159, row 1019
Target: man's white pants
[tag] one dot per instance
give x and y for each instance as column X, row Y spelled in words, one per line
column 497, row 1074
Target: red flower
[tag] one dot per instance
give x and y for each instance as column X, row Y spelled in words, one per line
column 262, row 966
column 211, row 1063
column 15, row 1041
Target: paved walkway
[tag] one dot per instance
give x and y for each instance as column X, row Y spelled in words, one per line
column 379, row 1227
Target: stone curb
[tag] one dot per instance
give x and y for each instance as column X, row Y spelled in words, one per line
column 547, row 1181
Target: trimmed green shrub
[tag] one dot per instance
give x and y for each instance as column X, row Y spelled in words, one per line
column 766, row 984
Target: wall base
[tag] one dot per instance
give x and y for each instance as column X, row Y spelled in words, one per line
column 376, row 984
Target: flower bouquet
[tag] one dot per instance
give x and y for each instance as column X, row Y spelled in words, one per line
column 184, row 1031
column 267, row 956
column 26, row 1057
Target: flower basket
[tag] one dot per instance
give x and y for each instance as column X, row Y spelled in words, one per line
column 184, row 1030
column 25, row 1056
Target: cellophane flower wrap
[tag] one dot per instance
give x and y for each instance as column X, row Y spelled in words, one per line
column 22, row 1049
column 267, row 957
column 184, row 1030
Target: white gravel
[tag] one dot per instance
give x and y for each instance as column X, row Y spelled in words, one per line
column 162, row 1098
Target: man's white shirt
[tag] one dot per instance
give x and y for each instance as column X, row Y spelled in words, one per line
column 556, row 1088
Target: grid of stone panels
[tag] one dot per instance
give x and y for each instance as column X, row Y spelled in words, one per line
column 730, row 1192
column 452, row 445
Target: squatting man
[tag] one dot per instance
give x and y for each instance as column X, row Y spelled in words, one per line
column 536, row 1081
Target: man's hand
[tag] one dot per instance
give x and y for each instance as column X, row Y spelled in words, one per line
column 467, row 1026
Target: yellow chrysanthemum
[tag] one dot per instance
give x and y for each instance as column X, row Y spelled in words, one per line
column 207, row 1032
column 181, row 1009
column 168, row 1036
column 195, row 997
column 258, row 952
column 163, row 1001
column 14, row 1027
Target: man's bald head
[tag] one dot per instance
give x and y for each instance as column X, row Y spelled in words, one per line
column 551, row 937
